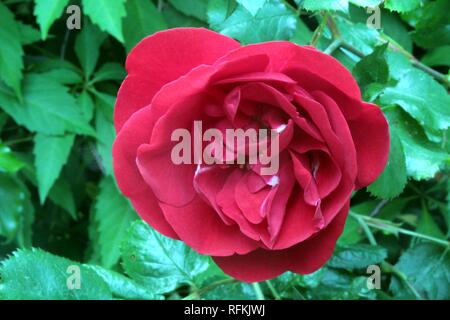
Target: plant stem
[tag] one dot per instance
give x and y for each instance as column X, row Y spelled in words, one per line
column 196, row 294
column 386, row 266
column 385, row 226
column 392, row 45
column 318, row 32
column 273, row 290
column 258, row 291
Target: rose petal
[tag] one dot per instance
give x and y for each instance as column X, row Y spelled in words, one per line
column 157, row 60
column 306, row 257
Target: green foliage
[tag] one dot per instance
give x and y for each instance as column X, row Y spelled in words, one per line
column 273, row 21
column 113, row 215
column 107, row 15
column 47, row 11
column 11, row 52
column 57, row 188
column 158, row 262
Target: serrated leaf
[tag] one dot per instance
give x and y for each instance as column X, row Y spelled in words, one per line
column 357, row 256
column 47, row 107
column 109, row 71
column 194, row 8
column 62, row 195
column 402, row 5
column 51, row 154
column 393, row 179
column 123, row 287
column 47, row 11
column 107, row 15
column 114, row 216
column 359, row 35
column 252, row 6
column 87, row 47
column 11, row 52
column 372, row 68
column 105, row 131
column 38, row 275
column 274, row 21
column 427, row 268
column 317, row 5
column 423, row 158
column 157, row 262
column 142, row 20
column 233, row 291
column 423, row 98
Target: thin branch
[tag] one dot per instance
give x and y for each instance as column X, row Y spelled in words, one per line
column 258, row 291
column 393, row 46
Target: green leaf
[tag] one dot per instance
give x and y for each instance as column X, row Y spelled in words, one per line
column 357, row 256
column 423, row 98
column 87, row 47
column 175, row 18
column 439, row 56
column 114, row 215
column 423, row 158
column 302, row 34
column 194, row 8
column 157, row 262
column 252, row 6
column 352, row 232
column 61, row 194
column 432, row 38
column 427, row 268
column 107, row 15
column 105, row 131
column 317, row 5
column 123, row 287
column 393, row 179
column 51, row 154
column 47, row 107
column 359, row 35
column 47, row 11
column 372, row 68
column 428, row 226
column 142, row 20
column 109, row 71
column 274, row 21
column 28, row 34
column 64, row 76
column 233, row 291
column 329, row 283
column 11, row 52
column 16, row 210
column 8, row 161
column 38, row 275
column 402, row 5
column 86, row 105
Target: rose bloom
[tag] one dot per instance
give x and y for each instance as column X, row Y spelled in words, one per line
column 254, row 226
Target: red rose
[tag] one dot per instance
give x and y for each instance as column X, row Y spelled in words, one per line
column 254, row 226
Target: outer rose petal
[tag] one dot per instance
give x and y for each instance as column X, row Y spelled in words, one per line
column 286, row 55
column 303, row 258
column 370, row 133
column 129, row 180
column 162, row 58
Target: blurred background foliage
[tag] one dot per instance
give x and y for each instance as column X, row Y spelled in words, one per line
column 59, row 205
